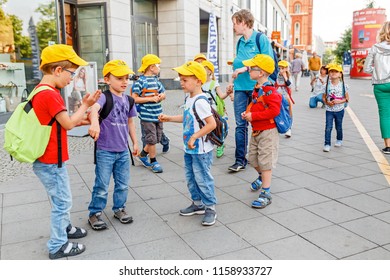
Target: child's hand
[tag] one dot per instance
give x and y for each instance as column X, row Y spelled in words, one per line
column 162, row 96
column 163, row 118
column 155, row 98
column 246, row 116
column 90, row 98
column 135, row 151
column 231, row 96
column 94, row 131
column 84, row 121
column 191, row 143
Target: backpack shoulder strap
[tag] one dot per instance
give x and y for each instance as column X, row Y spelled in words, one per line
column 107, row 107
column 258, row 40
column 131, row 101
column 201, row 124
column 37, row 90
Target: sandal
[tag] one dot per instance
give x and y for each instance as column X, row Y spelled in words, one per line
column 256, row 184
column 69, row 249
column 264, row 200
column 75, row 232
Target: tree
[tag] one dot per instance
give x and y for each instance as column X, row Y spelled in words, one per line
column 343, row 45
column 327, row 57
column 370, row 4
column 22, row 43
column 46, row 27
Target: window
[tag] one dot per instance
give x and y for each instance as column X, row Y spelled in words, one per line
column 297, row 8
column 297, row 32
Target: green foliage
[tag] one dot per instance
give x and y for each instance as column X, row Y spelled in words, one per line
column 46, row 27
column 370, row 4
column 327, row 57
column 343, row 45
column 22, row 43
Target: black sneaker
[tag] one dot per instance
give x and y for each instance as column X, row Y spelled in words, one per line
column 236, row 167
column 193, row 210
column 386, row 150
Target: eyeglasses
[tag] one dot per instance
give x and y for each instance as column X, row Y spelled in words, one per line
column 254, row 69
column 157, row 65
column 72, row 74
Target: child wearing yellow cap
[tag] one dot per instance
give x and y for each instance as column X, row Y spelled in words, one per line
column 58, row 65
column 215, row 95
column 264, row 141
column 148, row 92
column 112, row 152
column 335, row 99
column 283, row 86
column 200, row 57
column 198, row 153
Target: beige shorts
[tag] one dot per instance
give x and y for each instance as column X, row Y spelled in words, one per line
column 263, row 149
column 153, row 132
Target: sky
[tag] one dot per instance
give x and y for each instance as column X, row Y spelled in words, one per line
column 332, row 17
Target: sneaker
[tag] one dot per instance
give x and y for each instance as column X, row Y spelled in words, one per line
column 338, row 143
column 166, row 147
column 123, row 217
column 256, row 184
column 145, row 161
column 288, row 133
column 156, row 167
column 193, row 210
column 209, row 217
column 69, row 249
column 326, row 148
column 386, row 150
column 96, row 222
column 263, row 201
column 236, row 167
column 220, row 151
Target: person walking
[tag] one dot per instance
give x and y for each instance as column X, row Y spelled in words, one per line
column 297, row 66
column 283, row 86
column 314, row 67
column 378, row 64
column 243, row 21
column 112, row 153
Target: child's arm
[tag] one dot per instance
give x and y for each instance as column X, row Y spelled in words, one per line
column 210, row 126
column 94, row 129
column 223, row 95
column 138, row 99
column 133, row 136
column 69, row 122
column 166, row 118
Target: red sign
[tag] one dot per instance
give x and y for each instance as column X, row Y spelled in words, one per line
column 358, row 59
column 365, row 26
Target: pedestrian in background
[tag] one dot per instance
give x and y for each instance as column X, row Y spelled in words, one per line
column 198, row 153
column 243, row 21
column 314, row 67
column 112, row 153
column 283, row 86
column 335, row 98
column 297, row 66
column 318, row 84
column 58, row 65
column 378, row 64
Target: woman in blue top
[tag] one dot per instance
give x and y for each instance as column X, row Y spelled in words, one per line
column 243, row 86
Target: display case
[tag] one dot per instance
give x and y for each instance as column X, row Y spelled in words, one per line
column 12, row 85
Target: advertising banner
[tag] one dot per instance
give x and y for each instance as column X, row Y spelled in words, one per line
column 212, row 44
column 358, row 59
column 365, row 26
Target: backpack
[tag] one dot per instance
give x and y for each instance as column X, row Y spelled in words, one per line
column 219, row 134
column 274, row 75
column 219, row 102
column 105, row 111
column 26, row 138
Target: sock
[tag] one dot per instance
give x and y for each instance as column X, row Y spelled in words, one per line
column 260, row 176
column 266, row 190
column 144, row 154
column 153, row 160
column 212, row 207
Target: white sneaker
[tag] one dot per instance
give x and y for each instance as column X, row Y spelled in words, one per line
column 338, row 143
column 288, row 133
column 326, row 148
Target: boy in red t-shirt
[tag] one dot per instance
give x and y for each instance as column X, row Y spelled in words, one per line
column 264, row 142
column 58, row 65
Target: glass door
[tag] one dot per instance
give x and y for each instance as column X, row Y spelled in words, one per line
column 145, row 41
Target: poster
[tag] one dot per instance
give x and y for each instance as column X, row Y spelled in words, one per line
column 358, row 59
column 212, row 44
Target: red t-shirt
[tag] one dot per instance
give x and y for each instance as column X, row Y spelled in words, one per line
column 47, row 104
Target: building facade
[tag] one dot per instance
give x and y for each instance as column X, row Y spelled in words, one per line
column 301, row 12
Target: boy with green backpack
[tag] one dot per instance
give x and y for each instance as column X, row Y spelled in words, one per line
column 215, row 95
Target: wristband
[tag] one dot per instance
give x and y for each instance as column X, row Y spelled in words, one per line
column 247, row 68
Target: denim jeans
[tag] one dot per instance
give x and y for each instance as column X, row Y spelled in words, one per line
column 338, row 121
column 200, row 182
column 313, row 102
column 241, row 101
column 56, row 182
column 107, row 163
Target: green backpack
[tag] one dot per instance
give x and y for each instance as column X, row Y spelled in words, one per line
column 26, row 138
column 220, row 103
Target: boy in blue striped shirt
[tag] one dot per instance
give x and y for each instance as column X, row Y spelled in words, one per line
column 148, row 92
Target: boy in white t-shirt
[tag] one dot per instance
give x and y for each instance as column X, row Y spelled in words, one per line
column 198, row 153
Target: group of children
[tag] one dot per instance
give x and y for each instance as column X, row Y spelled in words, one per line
column 59, row 63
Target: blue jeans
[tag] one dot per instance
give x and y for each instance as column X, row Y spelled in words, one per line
column 56, row 182
column 200, row 182
column 313, row 102
column 241, row 101
column 338, row 121
column 107, row 163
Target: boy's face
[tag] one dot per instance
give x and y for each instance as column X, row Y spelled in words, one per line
column 255, row 72
column 64, row 76
column 155, row 69
column 189, row 83
column 117, row 84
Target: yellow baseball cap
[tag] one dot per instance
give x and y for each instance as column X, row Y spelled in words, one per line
column 148, row 60
column 283, row 63
column 117, row 68
column 335, row 66
column 200, row 56
column 263, row 61
column 60, row 52
column 208, row 64
column 192, row 68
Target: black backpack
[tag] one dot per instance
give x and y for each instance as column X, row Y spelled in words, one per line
column 274, row 75
column 219, row 134
column 105, row 111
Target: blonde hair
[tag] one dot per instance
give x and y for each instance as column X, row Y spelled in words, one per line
column 48, row 68
column 245, row 16
column 384, row 33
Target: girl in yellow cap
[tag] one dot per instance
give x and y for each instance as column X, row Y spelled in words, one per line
column 283, row 85
column 215, row 95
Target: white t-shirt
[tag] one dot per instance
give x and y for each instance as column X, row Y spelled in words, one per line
column 191, row 125
column 336, row 92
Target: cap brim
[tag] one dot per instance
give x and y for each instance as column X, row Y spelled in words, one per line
column 183, row 71
column 249, row 62
column 78, row 61
column 121, row 72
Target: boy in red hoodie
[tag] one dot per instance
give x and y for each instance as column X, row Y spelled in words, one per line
column 264, row 141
